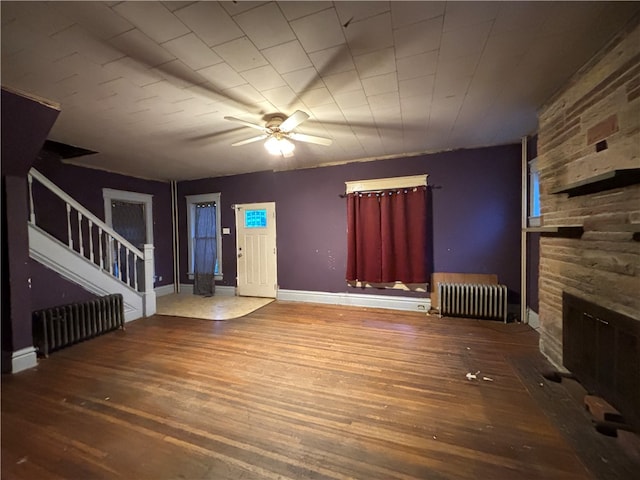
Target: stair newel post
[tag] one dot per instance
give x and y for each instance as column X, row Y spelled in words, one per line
column 32, row 213
column 149, row 292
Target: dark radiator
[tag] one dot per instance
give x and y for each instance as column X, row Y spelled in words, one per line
column 58, row 327
column 473, row 300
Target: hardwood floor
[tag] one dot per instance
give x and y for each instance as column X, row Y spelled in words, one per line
column 292, row 391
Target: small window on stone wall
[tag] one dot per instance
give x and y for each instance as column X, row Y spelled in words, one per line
column 534, row 194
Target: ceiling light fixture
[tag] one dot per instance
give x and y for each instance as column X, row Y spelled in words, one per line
column 279, row 132
column 279, row 146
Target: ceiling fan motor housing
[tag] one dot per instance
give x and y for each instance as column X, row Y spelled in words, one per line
column 274, row 123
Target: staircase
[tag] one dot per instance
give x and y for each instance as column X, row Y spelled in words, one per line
column 88, row 252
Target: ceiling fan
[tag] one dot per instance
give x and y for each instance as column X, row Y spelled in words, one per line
column 278, row 133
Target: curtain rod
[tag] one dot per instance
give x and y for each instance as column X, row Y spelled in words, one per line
column 345, row 195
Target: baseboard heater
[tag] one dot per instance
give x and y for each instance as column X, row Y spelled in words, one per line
column 59, row 327
column 473, row 300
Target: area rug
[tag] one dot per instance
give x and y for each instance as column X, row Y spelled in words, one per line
column 208, row 308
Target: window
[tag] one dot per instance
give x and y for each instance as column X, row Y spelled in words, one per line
column 119, row 199
column 255, row 218
column 208, row 200
column 534, row 194
column 386, row 233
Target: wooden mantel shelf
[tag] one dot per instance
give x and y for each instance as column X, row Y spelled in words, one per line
column 604, row 181
column 564, row 231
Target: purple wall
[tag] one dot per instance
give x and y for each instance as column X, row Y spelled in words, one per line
column 85, row 185
column 25, row 125
column 474, row 215
column 6, row 327
column 17, row 266
column 48, row 289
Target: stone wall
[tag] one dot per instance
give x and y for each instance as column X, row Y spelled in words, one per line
column 589, row 128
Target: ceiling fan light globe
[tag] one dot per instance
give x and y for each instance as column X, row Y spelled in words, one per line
column 272, row 146
column 279, row 146
column 286, row 146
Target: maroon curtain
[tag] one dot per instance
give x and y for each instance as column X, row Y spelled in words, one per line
column 386, row 236
column 365, row 244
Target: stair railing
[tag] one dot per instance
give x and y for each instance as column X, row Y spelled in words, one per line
column 93, row 239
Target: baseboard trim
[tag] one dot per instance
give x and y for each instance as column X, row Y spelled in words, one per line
column 164, row 290
column 225, row 291
column 533, row 319
column 23, row 359
column 411, row 304
column 221, row 290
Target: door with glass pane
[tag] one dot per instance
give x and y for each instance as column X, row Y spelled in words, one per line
column 256, row 249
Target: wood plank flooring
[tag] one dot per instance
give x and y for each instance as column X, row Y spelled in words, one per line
column 292, row 391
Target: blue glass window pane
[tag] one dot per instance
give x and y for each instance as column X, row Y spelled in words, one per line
column 255, row 218
column 535, row 204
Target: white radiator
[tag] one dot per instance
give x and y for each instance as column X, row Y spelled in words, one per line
column 473, row 300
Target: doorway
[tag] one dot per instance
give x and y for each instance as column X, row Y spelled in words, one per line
column 130, row 214
column 256, row 253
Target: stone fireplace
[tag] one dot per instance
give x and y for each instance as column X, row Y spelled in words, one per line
column 589, row 163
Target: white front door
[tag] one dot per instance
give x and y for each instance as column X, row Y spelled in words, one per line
column 256, row 249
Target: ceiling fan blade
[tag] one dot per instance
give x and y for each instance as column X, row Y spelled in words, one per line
column 248, row 124
column 293, row 121
column 250, row 140
column 301, row 137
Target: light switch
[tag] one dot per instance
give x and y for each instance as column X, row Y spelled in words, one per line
column 226, row 231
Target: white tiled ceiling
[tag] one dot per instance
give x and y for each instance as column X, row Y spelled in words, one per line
column 287, row 57
column 265, row 26
column 147, row 84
